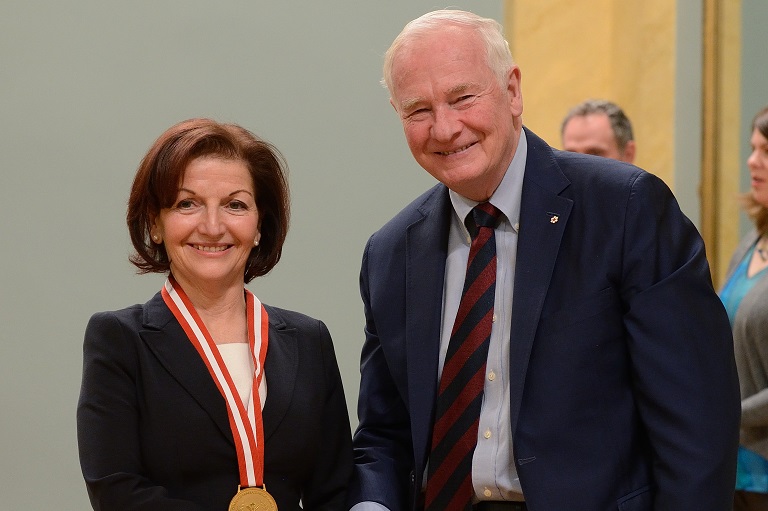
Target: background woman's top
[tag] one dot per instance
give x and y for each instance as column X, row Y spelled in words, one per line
column 746, row 299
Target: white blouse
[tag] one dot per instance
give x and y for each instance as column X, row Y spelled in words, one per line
column 237, row 358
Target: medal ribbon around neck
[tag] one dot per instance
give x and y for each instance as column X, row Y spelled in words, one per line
column 247, row 425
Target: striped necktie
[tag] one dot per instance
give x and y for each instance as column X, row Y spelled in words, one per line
column 454, row 434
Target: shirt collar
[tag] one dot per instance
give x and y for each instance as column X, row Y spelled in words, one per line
column 507, row 196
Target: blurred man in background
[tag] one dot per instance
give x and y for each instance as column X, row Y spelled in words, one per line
column 598, row 127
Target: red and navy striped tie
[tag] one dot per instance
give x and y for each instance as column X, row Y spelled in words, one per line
column 454, row 434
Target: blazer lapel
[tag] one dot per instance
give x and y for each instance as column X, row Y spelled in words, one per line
column 281, row 371
column 426, row 246
column 166, row 339
column 543, row 217
column 170, row 345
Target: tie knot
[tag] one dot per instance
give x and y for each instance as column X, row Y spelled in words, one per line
column 485, row 214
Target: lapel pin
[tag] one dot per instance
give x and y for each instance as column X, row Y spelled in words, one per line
column 554, row 219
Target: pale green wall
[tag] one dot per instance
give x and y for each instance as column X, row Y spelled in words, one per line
column 85, row 87
column 688, row 94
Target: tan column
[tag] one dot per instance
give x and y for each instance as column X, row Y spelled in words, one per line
column 625, row 52
column 721, row 138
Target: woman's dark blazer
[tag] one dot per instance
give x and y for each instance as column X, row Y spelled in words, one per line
column 153, row 430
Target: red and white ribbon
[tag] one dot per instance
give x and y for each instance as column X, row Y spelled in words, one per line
column 246, row 423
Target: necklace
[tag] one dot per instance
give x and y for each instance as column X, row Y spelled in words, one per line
column 761, row 250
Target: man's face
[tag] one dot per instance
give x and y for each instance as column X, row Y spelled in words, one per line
column 592, row 134
column 461, row 124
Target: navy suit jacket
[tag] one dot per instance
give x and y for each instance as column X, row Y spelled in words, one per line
column 153, row 429
column 624, row 392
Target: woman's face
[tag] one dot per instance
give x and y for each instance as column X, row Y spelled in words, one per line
column 758, row 167
column 210, row 230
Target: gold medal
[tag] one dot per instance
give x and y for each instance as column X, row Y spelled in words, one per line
column 252, row 499
column 247, row 430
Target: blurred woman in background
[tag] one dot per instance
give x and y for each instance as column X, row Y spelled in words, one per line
column 745, row 295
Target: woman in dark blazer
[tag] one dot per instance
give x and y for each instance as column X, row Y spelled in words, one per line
column 203, row 398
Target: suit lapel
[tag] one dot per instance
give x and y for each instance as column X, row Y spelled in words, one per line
column 426, row 246
column 169, row 343
column 543, row 217
column 281, row 369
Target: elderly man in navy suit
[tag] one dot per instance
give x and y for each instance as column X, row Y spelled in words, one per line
column 540, row 333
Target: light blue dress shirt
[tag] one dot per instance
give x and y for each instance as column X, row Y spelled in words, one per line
column 494, row 476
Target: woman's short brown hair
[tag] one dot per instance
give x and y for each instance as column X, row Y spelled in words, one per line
column 161, row 173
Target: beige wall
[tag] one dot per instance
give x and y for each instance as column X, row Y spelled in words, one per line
column 621, row 51
column 626, row 52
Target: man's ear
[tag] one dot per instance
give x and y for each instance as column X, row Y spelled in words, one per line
column 629, row 152
column 514, row 91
